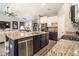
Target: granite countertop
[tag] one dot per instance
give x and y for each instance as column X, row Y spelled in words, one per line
column 19, row 35
column 71, row 37
column 65, row 48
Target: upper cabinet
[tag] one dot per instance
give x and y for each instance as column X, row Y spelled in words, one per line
column 2, row 25
column 75, row 14
column 5, row 25
column 14, row 24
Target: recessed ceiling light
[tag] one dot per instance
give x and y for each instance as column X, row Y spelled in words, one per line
column 43, row 4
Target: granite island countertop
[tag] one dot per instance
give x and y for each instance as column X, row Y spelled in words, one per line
column 64, row 48
column 19, row 35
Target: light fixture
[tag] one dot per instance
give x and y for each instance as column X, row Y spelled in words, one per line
column 75, row 51
column 22, row 27
column 42, row 4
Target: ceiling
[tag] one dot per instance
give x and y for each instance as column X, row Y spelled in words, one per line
column 34, row 9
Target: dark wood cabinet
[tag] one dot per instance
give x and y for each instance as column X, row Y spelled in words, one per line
column 39, row 42
column 31, row 46
column 13, row 47
column 4, row 25
column 46, row 39
column 15, row 24
column 7, row 24
column 42, row 40
column 53, row 36
column 36, row 44
column 73, row 13
column 21, row 23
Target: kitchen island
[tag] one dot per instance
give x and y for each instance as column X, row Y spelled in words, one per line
column 26, row 43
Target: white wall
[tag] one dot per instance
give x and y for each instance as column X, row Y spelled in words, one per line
column 68, row 25
column 43, row 19
column 52, row 19
column 61, row 21
column 49, row 20
column 61, row 26
column 64, row 21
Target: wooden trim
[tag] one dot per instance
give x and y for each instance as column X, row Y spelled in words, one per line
column 70, row 33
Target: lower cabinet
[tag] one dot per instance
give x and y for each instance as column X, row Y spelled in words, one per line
column 53, row 36
column 39, row 42
column 13, row 47
column 42, row 41
column 46, row 39
column 36, row 44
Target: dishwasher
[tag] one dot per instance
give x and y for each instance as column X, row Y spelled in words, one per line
column 25, row 47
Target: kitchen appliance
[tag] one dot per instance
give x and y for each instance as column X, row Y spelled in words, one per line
column 25, row 47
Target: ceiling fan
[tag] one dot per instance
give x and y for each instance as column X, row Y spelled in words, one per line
column 9, row 13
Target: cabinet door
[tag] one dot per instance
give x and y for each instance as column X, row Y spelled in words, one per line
column 73, row 13
column 36, row 44
column 50, row 35
column 13, row 47
column 53, row 35
column 42, row 41
column 47, row 38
